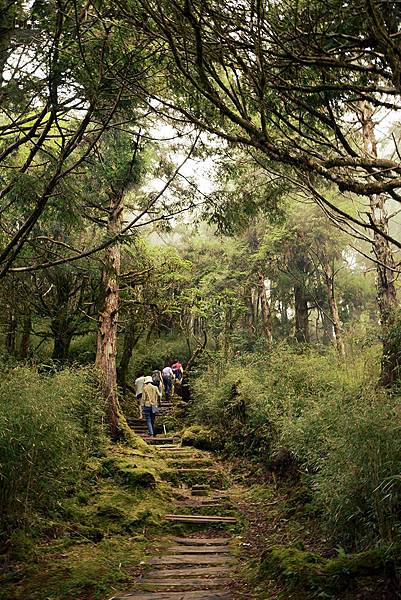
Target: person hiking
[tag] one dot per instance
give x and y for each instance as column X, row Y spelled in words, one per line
column 138, row 385
column 177, row 370
column 168, row 380
column 149, row 402
column 157, row 379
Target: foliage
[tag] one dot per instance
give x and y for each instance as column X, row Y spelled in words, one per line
column 309, row 572
column 50, row 425
column 329, row 415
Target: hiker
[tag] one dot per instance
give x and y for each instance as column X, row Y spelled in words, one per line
column 150, row 402
column 157, row 379
column 139, row 381
column 168, row 381
column 177, row 370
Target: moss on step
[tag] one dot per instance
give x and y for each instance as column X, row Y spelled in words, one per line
column 200, row 437
column 303, row 570
column 128, row 472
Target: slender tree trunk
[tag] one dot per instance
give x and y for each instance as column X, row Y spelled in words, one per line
column 24, row 347
column 130, row 340
column 337, row 325
column 385, row 282
column 267, row 326
column 107, row 333
column 328, row 332
column 11, row 332
column 301, row 315
column 63, row 334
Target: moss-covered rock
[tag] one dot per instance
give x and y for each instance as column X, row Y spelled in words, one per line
column 202, row 438
column 303, row 570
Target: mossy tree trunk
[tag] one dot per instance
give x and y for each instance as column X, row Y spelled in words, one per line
column 63, row 332
column 385, row 265
column 106, row 354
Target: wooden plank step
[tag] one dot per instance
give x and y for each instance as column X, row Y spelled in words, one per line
column 190, row 572
column 202, row 541
column 197, row 595
column 197, row 584
column 200, row 519
column 191, row 559
column 198, row 549
column 195, row 470
column 161, row 441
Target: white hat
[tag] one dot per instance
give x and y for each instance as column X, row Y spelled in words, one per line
column 148, row 379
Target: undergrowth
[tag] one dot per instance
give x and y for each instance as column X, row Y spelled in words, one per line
column 329, row 417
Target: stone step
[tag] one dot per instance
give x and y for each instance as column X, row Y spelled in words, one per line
column 200, row 519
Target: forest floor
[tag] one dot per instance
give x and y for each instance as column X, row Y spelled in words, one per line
column 115, row 538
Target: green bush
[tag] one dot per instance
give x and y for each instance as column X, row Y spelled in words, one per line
column 49, row 425
column 333, row 419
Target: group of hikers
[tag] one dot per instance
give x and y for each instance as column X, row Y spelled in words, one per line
column 149, row 391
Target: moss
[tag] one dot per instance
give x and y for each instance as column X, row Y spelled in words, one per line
column 128, row 472
column 303, row 570
column 126, row 435
column 200, row 437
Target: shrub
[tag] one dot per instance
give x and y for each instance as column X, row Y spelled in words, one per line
column 329, row 416
column 49, row 425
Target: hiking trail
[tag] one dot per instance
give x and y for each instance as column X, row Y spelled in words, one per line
column 199, row 562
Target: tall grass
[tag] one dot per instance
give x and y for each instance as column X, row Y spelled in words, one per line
column 342, row 429
column 49, row 425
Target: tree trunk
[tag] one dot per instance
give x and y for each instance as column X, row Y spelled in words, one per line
column 24, row 347
column 267, row 327
column 328, row 332
column 63, row 333
column 337, row 325
column 107, row 333
column 301, row 315
column 385, row 281
column 11, row 332
column 130, row 340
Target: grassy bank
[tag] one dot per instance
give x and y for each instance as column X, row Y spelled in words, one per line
column 77, row 513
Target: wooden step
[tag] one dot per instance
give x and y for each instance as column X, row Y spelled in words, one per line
column 191, row 559
column 195, row 584
column 200, row 519
column 201, row 541
column 190, row 572
column 221, row 549
column 161, row 440
column 197, row 595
